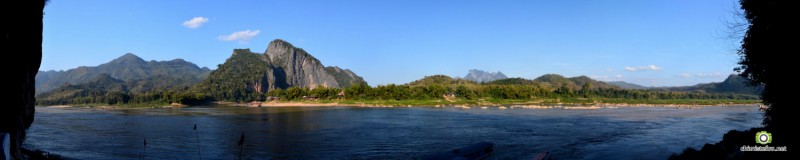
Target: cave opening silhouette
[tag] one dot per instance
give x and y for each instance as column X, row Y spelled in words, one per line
column 766, row 59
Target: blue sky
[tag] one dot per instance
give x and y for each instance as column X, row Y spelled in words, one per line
column 653, row 43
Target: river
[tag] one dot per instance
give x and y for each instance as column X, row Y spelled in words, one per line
column 380, row 133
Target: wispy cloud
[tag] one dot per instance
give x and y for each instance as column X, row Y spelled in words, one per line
column 702, row 75
column 606, row 78
column 643, row 68
column 195, row 22
column 241, row 36
column 710, row 75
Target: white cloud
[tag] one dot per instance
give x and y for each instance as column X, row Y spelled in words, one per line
column 643, row 68
column 702, row 75
column 607, row 78
column 599, row 77
column 241, row 36
column 195, row 22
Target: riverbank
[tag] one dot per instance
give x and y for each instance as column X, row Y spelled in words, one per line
column 542, row 103
column 481, row 103
column 117, row 106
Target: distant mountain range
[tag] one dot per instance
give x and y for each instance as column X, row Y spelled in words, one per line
column 626, row 85
column 244, row 75
column 732, row 84
column 547, row 80
column 141, row 75
column 556, row 80
column 572, row 82
column 483, row 76
column 249, row 75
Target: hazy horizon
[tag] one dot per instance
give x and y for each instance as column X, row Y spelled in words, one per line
column 663, row 43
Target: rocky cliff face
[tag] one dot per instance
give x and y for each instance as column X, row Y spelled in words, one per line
column 247, row 76
column 483, row 76
column 299, row 68
column 344, row 77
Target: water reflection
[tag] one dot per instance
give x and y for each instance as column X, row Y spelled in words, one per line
column 381, row 133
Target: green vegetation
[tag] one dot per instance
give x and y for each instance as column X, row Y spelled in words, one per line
column 430, row 90
column 241, row 78
column 434, row 87
column 107, row 90
column 345, row 77
column 733, row 84
column 143, row 76
column 248, row 76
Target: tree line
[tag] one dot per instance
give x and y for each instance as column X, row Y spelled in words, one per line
column 432, row 88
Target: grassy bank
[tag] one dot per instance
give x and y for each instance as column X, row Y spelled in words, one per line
column 458, row 102
column 499, row 102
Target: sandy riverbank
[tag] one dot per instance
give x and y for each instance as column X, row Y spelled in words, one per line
column 458, row 105
column 532, row 105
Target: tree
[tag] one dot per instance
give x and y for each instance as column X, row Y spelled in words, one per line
column 764, row 59
column 294, row 93
column 465, row 92
column 586, row 89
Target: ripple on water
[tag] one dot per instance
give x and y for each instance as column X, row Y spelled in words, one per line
column 382, row 133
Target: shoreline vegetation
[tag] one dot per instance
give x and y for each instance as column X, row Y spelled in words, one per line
column 540, row 104
column 437, row 90
column 503, row 104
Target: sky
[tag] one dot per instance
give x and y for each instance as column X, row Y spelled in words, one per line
column 652, row 43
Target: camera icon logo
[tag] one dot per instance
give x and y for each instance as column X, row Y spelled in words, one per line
column 763, row 137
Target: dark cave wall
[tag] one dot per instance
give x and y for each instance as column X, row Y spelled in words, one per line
column 22, row 45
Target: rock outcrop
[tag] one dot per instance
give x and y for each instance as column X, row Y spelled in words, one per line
column 483, row 76
column 299, row 68
column 247, row 75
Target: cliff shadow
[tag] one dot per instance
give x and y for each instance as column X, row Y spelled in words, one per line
column 280, row 78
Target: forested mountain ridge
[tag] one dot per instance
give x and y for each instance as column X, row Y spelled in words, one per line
column 99, row 86
column 129, row 68
column 732, row 84
column 345, row 77
column 557, row 80
column 244, row 76
column 626, row 85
